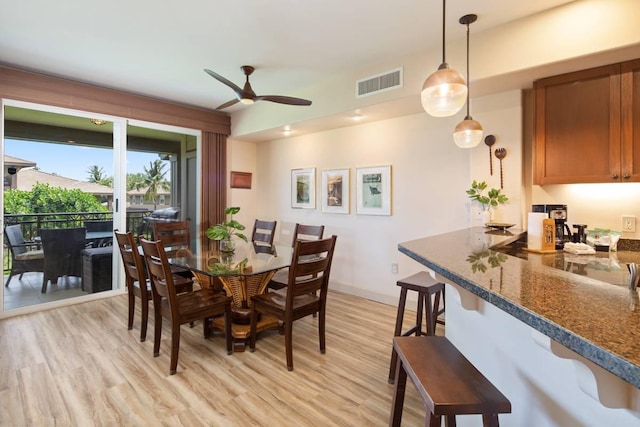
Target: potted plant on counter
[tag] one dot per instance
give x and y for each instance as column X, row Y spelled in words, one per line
column 491, row 199
column 225, row 231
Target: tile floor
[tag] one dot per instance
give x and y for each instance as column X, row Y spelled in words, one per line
column 26, row 292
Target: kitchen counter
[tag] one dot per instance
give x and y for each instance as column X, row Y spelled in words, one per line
column 594, row 315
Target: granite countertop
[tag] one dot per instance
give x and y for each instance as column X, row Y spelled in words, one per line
column 594, row 314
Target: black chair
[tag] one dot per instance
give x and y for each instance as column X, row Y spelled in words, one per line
column 25, row 256
column 99, row 226
column 62, row 253
column 264, row 232
column 309, row 273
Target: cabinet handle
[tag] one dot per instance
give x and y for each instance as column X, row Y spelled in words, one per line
column 626, row 176
column 614, row 176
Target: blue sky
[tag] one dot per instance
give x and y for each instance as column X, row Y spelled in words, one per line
column 73, row 161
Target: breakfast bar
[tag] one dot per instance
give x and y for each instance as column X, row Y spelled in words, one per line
column 558, row 333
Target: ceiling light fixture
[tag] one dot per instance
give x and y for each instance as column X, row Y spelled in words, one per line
column 287, row 131
column 443, row 92
column 357, row 117
column 98, row 122
column 468, row 133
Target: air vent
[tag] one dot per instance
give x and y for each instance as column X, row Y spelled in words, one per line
column 379, row 83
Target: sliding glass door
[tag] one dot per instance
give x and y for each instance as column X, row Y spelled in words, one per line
column 66, row 170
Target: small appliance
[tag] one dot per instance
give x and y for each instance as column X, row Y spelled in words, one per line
column 559, row 215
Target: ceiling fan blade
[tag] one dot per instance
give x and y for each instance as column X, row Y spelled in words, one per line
column 227, row 104
column 283, row 99
column 222, row 80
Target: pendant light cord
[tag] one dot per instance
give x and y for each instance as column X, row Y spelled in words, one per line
column 444, row 7
column 468, row 71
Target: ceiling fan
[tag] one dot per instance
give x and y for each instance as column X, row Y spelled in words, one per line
column 247, row 96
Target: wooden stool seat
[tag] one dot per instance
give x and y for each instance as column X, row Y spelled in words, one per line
column 426, row 286
column 447, row 382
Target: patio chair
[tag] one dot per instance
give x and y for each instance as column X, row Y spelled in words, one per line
column 25, row 256
column 62, row 248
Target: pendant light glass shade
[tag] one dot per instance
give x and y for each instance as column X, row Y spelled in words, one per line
column 443, row 92
column 468, row 133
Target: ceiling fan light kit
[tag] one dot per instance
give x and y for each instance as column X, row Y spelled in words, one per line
column 468, row 133
column 247, row 96
column 443, row 92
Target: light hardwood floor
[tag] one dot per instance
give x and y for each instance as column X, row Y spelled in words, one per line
column 80, row 366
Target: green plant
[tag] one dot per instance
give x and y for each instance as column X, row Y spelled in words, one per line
column 228, row 228
column 493, row 197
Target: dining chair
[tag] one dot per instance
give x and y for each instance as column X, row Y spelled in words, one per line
column 308, row 274
column 264, row 232
column 25, row 256
column 202, row 304
column 62, row 249
column 300, row 232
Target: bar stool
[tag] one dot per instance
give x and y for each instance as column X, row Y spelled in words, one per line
column 426, row 286
column 446, row 381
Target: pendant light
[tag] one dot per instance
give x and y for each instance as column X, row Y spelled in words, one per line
column 468, row 133
column 443, row 92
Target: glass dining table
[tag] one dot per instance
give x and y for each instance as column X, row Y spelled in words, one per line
column 241, row 274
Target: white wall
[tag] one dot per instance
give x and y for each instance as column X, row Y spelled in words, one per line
column 429, row 178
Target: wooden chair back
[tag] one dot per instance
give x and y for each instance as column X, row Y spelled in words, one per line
column 174, row 235
column 264, row 232
column 159, row 271
column 133, row 265
column 310, row 268
column 307, row 232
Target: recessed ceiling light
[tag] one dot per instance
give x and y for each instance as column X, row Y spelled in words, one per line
column 357, row 117
column 287, row 131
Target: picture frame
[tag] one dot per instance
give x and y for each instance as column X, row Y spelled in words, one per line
column 373, row 190
column 335, row 191
column 240, row 179
column 303, row 188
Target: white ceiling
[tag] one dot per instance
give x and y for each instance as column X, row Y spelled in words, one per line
column 161, row 48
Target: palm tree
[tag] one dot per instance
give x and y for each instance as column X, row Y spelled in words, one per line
column 96, row 174
column 154, row 181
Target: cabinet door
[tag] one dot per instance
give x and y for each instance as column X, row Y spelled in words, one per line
column 577, row 127
column 630, row 85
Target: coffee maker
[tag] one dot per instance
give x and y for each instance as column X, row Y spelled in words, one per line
column 559, row 215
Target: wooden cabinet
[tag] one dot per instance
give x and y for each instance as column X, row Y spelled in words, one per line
column 584, row 126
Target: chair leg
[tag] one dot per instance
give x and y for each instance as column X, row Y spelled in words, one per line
column 397, row 332
column 398, row 396
column 157, row 329
column 321, row 329
column 8, row 280
column 132, row 305
column 288, row 342
column 144, row 321
column 45, row 279
column 175, row 347
column 227, row 328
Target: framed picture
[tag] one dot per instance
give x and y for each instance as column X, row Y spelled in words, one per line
column 373, row 190
column 240, row 179
column 303, row 188
column 335, row 191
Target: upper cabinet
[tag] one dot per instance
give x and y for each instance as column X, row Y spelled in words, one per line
column 584, row 126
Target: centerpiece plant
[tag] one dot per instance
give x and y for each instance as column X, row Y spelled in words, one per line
column 225, row 231
column 491, row 199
